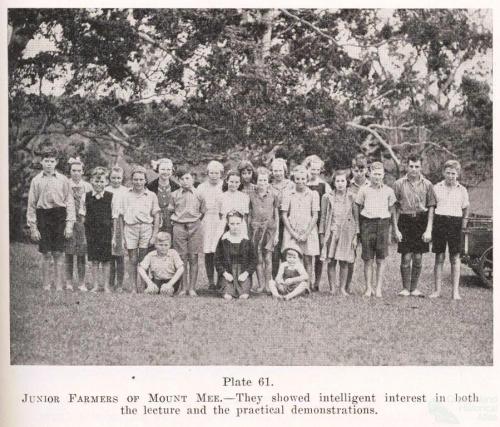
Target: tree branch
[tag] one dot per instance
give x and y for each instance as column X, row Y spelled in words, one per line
column 381, row 140
column 423, row 143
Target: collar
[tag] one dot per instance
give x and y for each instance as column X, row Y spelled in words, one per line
column 52, row 174
column 420, row 178
column 131, row 190
column 266, row 193
column 187, row 190
column 366, row 182
column 377, row 186
column 98, row 195
column 443, row 183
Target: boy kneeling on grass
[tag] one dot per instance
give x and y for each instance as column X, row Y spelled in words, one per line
column 292, row 279
column 161, row 269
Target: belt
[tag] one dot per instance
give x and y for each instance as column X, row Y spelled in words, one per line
column 414, row 214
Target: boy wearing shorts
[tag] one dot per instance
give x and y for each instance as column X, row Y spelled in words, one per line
column 139, row 215
column 374, row 207
column 450, row 218
column 50, row 216
column 415, row 203
column 162, row 269
column 188, row 208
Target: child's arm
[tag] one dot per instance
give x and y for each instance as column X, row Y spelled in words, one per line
column 322, row 220
column 31, row 213
column 143, row 268
column 70, row 211
column 80, row 215
column 301, row 278
column 178, row 274
column 279, row 275
column 284, row 217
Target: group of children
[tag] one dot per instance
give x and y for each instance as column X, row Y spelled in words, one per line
column 254, row 220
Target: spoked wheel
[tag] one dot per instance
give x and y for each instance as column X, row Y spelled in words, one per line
column 485, row 267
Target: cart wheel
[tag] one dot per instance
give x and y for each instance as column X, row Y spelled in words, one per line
column 485, row 267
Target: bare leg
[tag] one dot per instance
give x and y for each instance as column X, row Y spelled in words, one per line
column 299, row 290
column 142, row 252
column 343, row 268
column 185, row 276
column 260, row 273
column 368, row 270
column 268, row 269
column 81, row 264
column 331, row 270
column 350, row 271
column 94, row 268
column 112, row 271
column 68, row 263
column 318, row 269
column 105, row 276
column 308, row 264
column 193, row 267
column 416, row 268
column 132, row 269
column 274, row 290
column 46, row 264
column 380, row 277
column 120, row 271
column 406, row 273
column 438, row 275
column 455, row 274
column 209, row 268
column 58, row 271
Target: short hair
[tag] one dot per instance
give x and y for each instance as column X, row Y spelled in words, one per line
column 245, row 165
column 117, row 169
column 376, row 166
column 234, row 212
column 231, row 173
column 156, row 163
column 99, row 172
column 180, row 172
column 452, row 164
column 215, row 165
column 138, row 169
column 298, row 169
column 48, row 151
column 313, row 158
column 75, row 161
column 340, row 172
column 359, row 161
column 163, row 236
column 296, row 250
column 262, row 171
column 414, row 158
column 281, row 162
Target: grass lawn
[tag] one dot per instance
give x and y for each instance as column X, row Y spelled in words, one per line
column 74, row 328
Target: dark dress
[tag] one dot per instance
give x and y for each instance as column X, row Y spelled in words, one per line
column 99, row 226
column 164, row 196
column 320, row 188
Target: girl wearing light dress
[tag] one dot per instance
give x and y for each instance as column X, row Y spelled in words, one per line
column 300, row 209
column 210, row 191
column 338, row 231
column 233, row 200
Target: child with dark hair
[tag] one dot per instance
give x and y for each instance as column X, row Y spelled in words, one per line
column 50, row 215
column 235, row 260
column 292, row 279
column 248, row 176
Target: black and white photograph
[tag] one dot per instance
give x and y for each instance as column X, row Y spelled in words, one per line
column 250, row 187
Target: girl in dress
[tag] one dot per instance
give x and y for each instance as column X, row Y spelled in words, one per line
column 338, row 231
column 233, row 199
column 117, row 264
column 300, row 210
column 247, row 175
column 280, row 184
column 97, row 209
column 210, row 191
column 314, row 166
column 76, row 245
column 235, row 260
column 163, row 187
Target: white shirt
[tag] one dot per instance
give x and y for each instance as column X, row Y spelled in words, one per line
column 451, row 200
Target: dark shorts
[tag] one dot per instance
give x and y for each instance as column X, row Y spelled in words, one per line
column 159, row 282
column 51, row 224
column 374, row 238
column 187, row 238
column 447, row 230
column 412, row 228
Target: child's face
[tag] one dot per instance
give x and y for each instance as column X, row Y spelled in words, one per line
column 233, row 183
column 186, row 180
column 234, row 224
column 359, row 173
column 450, row 176
column 76, row 172
column 165, row 170
column 138, row 181
column 246, row 175
column 340, row 182
column 49, row 164
column 213, row 175
column 300, row 179
column 262, row 181
column 278, row 172
column 116, row 179
column 162, row 247
column 377, row 176
column 314, row 170
column 292, row 257
column 414, row 168
column 99, row 183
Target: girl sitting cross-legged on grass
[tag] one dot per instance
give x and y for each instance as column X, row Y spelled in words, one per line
column 292, row 279
column 235, row 259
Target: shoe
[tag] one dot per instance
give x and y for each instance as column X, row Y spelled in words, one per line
column 182, row 294
column 416, row 293
column 69, row 287
column 119, row 290
column 46, row 287
column 95, row 289
column 82, row 288
column 192, row 293
column 107, row 290
column 404, row 293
